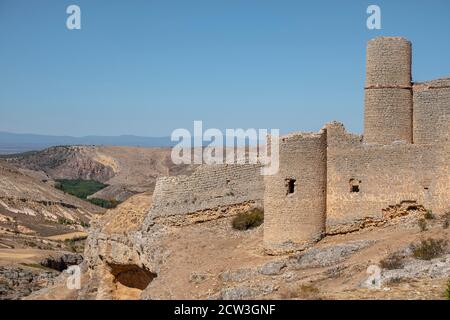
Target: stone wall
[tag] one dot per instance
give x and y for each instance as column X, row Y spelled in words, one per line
column 431, row 116
column 333, row 181
column 363, row 179
column 388, row 94
column 295, row 198
column 210, row 186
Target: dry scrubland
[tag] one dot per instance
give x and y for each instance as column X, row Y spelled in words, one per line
column 212, row 260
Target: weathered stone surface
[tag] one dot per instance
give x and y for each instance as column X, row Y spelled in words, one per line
column 62, row 261
column 295, row 215
column 209, row 186
column 237, row 275
column 273, row 268
column 414, row 268
column 198, row 277
column 326, row 256
column 17, row 282
column 245, row 292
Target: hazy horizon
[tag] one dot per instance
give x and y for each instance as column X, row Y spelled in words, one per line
column 149, row 67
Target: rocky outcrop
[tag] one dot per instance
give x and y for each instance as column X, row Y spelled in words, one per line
column 18, row 282
column 62, row 261
column 326, row 256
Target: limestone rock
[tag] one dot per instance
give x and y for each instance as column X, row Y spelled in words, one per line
column 327, row 256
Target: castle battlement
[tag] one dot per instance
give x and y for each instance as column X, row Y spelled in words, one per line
column 333, row 181
column 343, row 180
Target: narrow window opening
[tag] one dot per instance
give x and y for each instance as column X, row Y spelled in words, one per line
column 290, row 186
column 355, row 185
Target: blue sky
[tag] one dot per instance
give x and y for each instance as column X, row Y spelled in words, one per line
column 148, row 67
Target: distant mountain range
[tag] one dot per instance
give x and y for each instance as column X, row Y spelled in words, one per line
column 22, row 142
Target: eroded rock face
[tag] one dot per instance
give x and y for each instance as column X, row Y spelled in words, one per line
column 121, row 259
column 414, row 268
column 17, row 282
column 273, row 268
column 62, row 261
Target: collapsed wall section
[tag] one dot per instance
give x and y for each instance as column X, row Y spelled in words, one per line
column 364, row 179
column 209, row 186
column 295, row 197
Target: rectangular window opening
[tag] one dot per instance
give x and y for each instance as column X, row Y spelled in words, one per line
column 354, row 185
column 290, row 185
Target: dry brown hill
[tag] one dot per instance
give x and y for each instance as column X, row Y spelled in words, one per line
column 127, row 170
column 29, row 205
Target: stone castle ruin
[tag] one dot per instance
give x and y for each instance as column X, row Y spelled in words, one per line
column 333, row 181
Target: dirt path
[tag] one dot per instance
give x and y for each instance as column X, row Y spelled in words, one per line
column 18, row 256
column 68, row 236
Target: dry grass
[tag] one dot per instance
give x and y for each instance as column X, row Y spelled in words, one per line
column 248, row 220
column 392, row 262
column 422, row 224
column 304, row 292
column 429, row 249
column 446, row 223
column 429, row 215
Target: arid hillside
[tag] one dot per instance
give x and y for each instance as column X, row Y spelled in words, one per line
column 29, row 205
column 38, row 224
column 126, row 170
column 125, row 258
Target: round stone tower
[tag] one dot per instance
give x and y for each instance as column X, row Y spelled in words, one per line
column 295, row 197
column 388, row 91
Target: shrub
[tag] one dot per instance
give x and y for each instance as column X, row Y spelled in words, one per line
column 429, row 215
column 108, row 204
column 248, row 220
column 422, row 224
column 429, row 249
column 75, row 244
column 446, row 220
column 392, row 262
column 72, row 247
column 30, row 244
column 84, row 224
column 65, row 221
column 304, row 291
